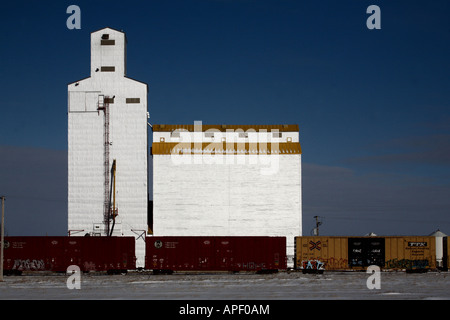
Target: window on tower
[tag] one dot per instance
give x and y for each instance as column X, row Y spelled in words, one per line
column 109, row 100
column 106, row 41
column 108, row 69
column 133, row 100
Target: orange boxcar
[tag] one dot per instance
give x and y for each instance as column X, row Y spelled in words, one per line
column 409, row 253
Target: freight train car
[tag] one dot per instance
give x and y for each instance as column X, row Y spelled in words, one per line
column 410, row 253
column 110, row 254
column 316, row 253
column 215, row 253
column 413, row 253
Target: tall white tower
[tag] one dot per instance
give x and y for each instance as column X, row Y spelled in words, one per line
column 107, row 147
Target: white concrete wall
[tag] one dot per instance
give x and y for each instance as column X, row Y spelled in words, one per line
column 228, row 198
column 128, row 145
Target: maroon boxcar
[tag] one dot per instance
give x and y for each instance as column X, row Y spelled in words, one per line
column 215, row 253
column 111, row 254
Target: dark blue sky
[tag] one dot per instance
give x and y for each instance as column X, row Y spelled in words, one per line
column 373, row 106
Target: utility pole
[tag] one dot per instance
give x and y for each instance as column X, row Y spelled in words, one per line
column 2, row 238
column 318, row 223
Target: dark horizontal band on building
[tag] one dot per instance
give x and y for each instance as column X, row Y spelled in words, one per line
column 159, row 148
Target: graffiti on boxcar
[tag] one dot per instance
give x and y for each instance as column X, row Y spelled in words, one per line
column 89, row 266
column 28, row 264
column 313, row 264
column 333, row 263
column 329, row 264
column 250, row 265
column 407, row 264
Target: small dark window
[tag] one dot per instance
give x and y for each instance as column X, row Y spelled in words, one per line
column 108, row 69
column 108, row 42
column 105, row 36
column 133, row 100
column 109, row 100
column 277, row 134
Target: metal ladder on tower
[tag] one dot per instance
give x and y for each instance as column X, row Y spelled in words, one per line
column 103, row 104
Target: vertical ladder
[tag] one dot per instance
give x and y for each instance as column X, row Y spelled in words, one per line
column 103, row 104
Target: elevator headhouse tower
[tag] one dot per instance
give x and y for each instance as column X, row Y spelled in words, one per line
column 107, row 147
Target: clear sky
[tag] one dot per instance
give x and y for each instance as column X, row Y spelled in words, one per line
column 373, row 106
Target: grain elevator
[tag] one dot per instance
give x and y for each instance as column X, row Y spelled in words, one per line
column 227, row 180
column 107, row 147
column 207, row 180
